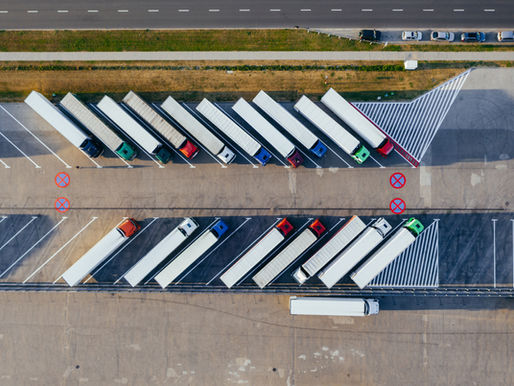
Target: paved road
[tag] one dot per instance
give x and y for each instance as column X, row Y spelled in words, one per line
column 30, row 14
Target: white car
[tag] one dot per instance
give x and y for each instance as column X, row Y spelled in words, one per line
column 440, row 35
column 412, row 35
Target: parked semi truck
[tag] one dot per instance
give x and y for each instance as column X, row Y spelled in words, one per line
column 257, row 253
column 391, row 249
column 100, row 251
column 192, row 253
column 349, row 231
column 359, row 123
column 289, row 254
column 161, row 251
column 234, row 132
column 274, row 137
column 197, row 130
column 160, row 125
column 290, row 123
column 355, row 252
column 63, row 124
column 332, row 129
column 133, row 129
column 97, row 127
column 333, row 306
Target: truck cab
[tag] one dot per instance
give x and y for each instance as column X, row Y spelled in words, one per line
column 371, row 307
column 263, row 156
column 188, row 226
column 382, row 226
column 128, row 227
column 361, row 154
column 163, row 155
column 317, row 227
column 385, row 147
column 319, row 149
column 189, row 149
column 219, row 229
column 285, row 227
column 92, row 148
column 414, row 226
column 226, row 155
column 295, row 159
column 126, row 152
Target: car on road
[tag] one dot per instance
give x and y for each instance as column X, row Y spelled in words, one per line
column 442, row 36
column 412, row 35
column 472, row 37
column 506, row 36
column 371, row 35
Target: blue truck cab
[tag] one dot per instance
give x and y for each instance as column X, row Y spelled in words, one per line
column 319, row 149
column 263, row 156
column 219, row 229
column 92, row 148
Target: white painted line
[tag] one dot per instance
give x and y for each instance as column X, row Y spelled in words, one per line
column 17, row 233
column 59, row 250
column 32, row 11
column 275, row 10
column 489, row 10
column 458, row 10
column 338, row 156
column 21, row 151
column 214, row 10
column 305, row 10
column 4, row 11
column 152, row 11
column 125, row 246
column 122, row 10
column 367, row 10
column 304, row 154
column 5, row 165
column 183, row 10
column 31, row 133
column 494, row 250
column 62, row 11
column 428, row 9
column 3, row 219
column 91, row 159
column 183, row 249
column 336, row 10
column 379, row 164
column 397, row 9
column 244, row 10
column 244, row 251
column 92, row 11
column 401, row 155
column 219, row 245
column 32, row 247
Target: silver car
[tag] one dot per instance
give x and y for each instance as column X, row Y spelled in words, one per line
column 442, row 36
column 412, row 35
column 506, row 36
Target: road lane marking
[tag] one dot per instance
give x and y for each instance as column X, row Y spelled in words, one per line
column 17, row 233
column 122, row 10
column 62, row 11
column 5, row 165
column 214, row 10
column 92, row 11
column 275, row 10
column 428, row 9
column 31, row 133
column 336, row 10
column 32, row 247
column 489, row 10
column 305, row 10
column 183, row 10
column 59, row 250
column 244, row 10
column 397, row 9
column 21, row 151
column 4, row 11
column 32, row 11
column 367, row 10
column 458, row 10
column 124, row 246
column 152, row 10
column 183, row 249
column 219, row 245
column 494, row 250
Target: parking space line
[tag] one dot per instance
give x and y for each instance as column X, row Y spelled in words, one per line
column 494, row 220
column 244, row 251
column 32, row 247
column 125, row 246
column 198, row 142
column 133, row 141
column 17, row 233
column 406, row 160
column 219, row 245
column 59, row 250
column 3, row 219
column 304, row 154
column 379, row 164
column 338, row 156
column 5, row 165
column 31, row 133
column 183, row 249
column 21, row 151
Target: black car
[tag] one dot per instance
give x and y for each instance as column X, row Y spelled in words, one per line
column 472, row 37
column 370, row 35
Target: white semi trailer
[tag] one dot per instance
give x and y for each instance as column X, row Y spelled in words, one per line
column 336, row 244
column 133, row 129
column 332, row 129
column 289, row 254
column 192, row 253
column 97, row 127
column 234, row 132
column 100, row 251
column 332, row 306
column 190, row 124
column 359, row 123
column 160, row 252
column 274, row 137
column 256, row 254
column 290, row 123
column 159, row 124
column 63, row 124
column 355, row 252
column 389, row 251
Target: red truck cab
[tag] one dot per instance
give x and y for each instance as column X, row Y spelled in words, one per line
column 317, row 227
column 285, row 227
column 129, row 227
column 385, row 148
column 189, row 149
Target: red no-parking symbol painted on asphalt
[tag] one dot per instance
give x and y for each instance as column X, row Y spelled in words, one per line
column 62, row 204
column 62, row 180
column 397, row 180
column 397, row 206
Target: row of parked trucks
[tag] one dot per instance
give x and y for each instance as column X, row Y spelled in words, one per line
column 356, row 247
column 153, row 128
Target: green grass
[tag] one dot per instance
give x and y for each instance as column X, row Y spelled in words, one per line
column 208, row 40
